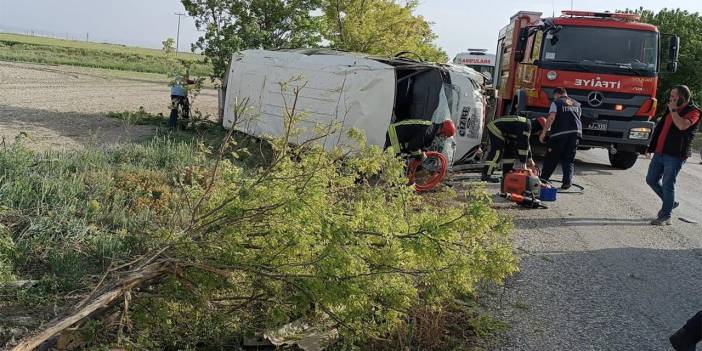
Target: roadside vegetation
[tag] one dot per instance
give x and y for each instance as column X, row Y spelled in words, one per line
column 209, row 239
column 202, row 242
column 21, row 48
column 686, row 25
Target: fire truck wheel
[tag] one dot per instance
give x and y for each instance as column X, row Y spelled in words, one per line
column 623, row 160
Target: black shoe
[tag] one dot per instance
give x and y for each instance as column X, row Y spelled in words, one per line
column 682, row 341
column 675, row 205
column 566, row 186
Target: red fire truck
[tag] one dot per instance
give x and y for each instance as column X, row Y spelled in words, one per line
column 609, row 62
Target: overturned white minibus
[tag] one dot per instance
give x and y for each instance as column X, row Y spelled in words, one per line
column 353, row 91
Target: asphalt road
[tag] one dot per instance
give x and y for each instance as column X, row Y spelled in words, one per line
column 594, row 274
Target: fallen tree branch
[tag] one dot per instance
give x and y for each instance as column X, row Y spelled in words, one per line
column 104, row 300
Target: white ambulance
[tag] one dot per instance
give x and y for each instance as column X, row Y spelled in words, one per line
column 479, row 60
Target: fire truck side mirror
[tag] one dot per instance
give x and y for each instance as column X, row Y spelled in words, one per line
column 674, row 48
column 672, row 67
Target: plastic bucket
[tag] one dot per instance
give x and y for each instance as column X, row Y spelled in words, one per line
column 548, row 194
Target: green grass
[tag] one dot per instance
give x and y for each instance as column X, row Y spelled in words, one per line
column 290, row 222
column 90, row 45
column 139, row 117
column 56, row 202
column 22, row 48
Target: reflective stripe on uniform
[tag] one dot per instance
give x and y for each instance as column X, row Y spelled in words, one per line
column 511, row 119
column 413, row 121
column 493, row 163
column 566, row 132
column 523, row 152
column 392, row 131
column 495, row 131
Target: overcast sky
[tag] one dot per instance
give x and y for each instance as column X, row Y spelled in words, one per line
column 460, row 24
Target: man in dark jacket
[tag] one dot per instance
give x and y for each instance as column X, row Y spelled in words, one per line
column 566, row 130
column 671, row 145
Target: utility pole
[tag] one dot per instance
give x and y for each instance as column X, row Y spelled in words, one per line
column 553, row 8
column 180, row 15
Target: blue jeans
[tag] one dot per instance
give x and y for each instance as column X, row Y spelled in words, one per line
column 662, row 173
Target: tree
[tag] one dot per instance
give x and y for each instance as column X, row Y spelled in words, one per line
column 383, row 27
column 196, row 250
column 689, row 27
column 233, row 25
column 168, row 45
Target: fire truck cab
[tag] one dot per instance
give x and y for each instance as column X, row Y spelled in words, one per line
column 609, row 62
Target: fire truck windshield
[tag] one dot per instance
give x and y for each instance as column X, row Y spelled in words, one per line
column 602, row 50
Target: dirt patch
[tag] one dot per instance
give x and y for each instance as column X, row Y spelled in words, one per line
column 64, row 107
column 55, row 130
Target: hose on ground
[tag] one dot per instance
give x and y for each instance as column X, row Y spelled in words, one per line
column 437, row 176
column 580, row 188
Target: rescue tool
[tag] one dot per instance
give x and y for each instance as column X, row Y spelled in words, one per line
column 522, row 187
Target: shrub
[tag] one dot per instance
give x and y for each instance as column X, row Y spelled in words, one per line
column 139, row 117
column 304, row 234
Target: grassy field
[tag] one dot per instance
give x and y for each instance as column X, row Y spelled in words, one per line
column 22, row 48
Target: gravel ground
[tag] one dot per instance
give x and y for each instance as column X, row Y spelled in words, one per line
column 62, row 107
column 594, row 275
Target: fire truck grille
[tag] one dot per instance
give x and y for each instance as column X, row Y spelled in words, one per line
column 599, row 133
column 604, row 106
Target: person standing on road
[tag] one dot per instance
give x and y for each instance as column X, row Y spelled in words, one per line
column 179, row 99
column 566, row 130
column 671, row 145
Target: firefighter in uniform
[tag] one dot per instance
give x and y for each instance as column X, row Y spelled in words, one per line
column 414, row 128
column 509, row 141
column 410, row 136
column 565, row 133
